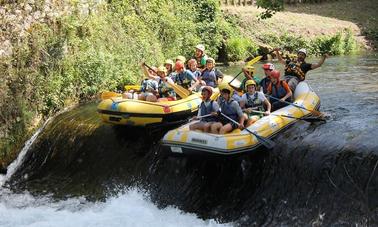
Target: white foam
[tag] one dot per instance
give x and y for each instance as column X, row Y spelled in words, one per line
column 20, row 158
column 129, row 209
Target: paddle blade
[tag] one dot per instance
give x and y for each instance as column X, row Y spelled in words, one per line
column 182, row 92
column 313, row 119
column 264, row 141
column 109, row 94
column 253, row 61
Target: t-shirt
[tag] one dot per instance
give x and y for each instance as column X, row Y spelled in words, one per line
column 209, row 77
column 260, row 96
column 234, row 105
column 185, row 78
column 215, row 107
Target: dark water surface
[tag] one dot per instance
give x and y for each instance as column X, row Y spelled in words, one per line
column 317, row 174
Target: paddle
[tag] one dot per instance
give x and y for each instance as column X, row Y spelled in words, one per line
column 109, row 94
column 313, row 112
column 200, row 117
column 308, row 119
column 182, row 92
column 264, row 141
column 251, row 62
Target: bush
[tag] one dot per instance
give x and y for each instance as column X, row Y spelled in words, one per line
column 240, row 48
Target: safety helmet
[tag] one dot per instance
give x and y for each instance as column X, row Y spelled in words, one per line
column 210, row 60
column 303, row 50
column 162, row 69
column 249, row 82
column 250, row 68
column 208, row 89
column 225, row 86
column 200, row 47
column 179, row 65
column 181, row 58
column 268, row 66
column 275, row 74
column 169, row 62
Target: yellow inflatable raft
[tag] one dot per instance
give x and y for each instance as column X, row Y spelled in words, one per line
column 119, row 111
column 184, row 141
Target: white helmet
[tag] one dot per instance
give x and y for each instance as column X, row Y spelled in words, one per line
column 200, row 47
column 303, row 50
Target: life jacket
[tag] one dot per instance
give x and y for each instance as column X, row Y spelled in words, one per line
column 164, row 90
column 228, row 110
column 148, row 84
column 278, row 92
column 254, row 101
column 264, row 84
column 209, row 80
column 293, row 68
column 207, row 110
column 182, row 80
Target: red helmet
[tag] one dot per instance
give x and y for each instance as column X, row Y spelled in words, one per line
column 208, row 89
column 179, row 65
column 268, row 66
column 275, row 74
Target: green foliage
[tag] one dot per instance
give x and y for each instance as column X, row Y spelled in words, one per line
column 270, row 6
column 240, row 48
column 341, row 43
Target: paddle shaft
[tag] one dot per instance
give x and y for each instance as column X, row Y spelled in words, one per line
column 264, row 141
column 180, row 90
column 301, row 107
column 203, row 116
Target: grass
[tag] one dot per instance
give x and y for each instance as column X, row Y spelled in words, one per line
column 309, row 21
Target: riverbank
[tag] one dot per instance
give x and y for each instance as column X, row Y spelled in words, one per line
column 294, row 29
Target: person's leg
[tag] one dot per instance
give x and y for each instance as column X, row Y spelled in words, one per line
column 142, row 97
column 293, row 82
column 206, row 127
column 215, row 127
column 226, row 128
column 252, row 120
column 197, row 126
column 151, row 98
column 127, row 95
column 162, row 99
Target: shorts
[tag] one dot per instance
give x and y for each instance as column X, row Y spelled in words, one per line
column 225, row 121
column 292, row 81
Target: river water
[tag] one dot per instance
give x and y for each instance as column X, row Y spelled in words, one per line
column 79, row 172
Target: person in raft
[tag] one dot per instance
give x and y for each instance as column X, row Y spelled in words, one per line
column 200, row 56
column 230, row 108
column 295, row 70
column 278, row 89
column 253, row 100
column 184, row 77
column 264, row 83
column 207, row 112
column 208, row 75
column 164, row 91
column 168, row 64
column 148, row 86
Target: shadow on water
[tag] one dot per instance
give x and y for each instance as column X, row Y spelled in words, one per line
column 317, row 174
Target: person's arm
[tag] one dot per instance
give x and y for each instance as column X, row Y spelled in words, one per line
column 269, row 89
column 288, row 91
column 266, row 102
column 279, row 57
column 215, row 108
column 147, row 73
column 240, row 114
column 320, row 63
column 191, row 75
